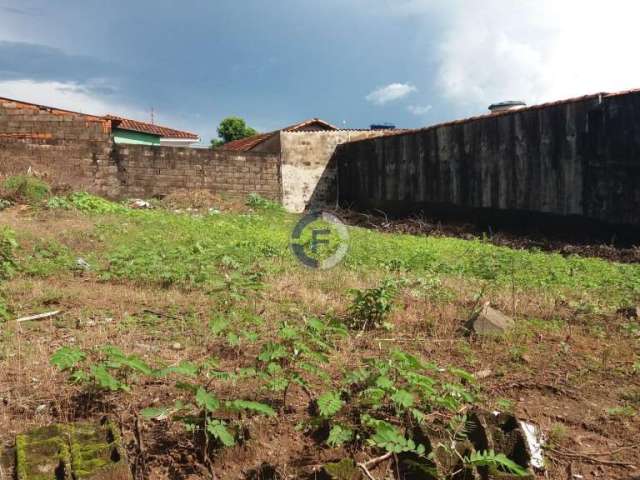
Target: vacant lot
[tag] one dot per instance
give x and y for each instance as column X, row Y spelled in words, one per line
column 175, row 322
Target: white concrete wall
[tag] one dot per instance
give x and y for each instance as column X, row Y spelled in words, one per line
column 307, row 176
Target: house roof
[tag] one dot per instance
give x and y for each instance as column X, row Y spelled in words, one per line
column 246, row 144
column 304, row 125
column 150, row 128
column 115, row 121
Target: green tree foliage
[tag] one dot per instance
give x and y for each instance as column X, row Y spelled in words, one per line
column 230, row 129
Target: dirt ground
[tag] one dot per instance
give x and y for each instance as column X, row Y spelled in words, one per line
column 571, row 373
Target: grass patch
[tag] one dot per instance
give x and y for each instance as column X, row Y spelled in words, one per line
column 172, row 249
column 24, row 188
column 208, row 323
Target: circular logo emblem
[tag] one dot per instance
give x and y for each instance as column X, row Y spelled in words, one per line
column 320, row 240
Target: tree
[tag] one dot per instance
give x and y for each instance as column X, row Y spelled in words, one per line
column 230, row 129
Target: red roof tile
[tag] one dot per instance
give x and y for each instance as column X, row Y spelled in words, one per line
column 150, row 128
column 246, row 144
column 301, row 126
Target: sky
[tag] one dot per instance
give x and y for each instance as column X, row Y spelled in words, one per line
column 411, row 63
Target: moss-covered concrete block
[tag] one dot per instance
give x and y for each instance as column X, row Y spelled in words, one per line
column 7, row 463
column 79, row 451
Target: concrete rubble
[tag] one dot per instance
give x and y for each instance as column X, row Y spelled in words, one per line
column 519, row 441
column 489, row 321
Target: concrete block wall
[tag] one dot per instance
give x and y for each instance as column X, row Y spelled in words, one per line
column 308, row 172
column 147, row 171
column 578, row 158
column 76, row 151
column 65, row 148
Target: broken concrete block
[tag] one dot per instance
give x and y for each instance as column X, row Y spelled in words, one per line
column 79, row 451
column 490, row 321
column 345, row 469
column 497, row 435
column 501, row 433
column 629, row 312
column 43, row 454
column 97, row 453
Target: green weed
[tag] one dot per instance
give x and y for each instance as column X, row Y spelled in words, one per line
column 258, row 202
column 496, row 462
column 24, row 188
column 4, row 309
column 372, row 401
column 45, row 258
column 370, row 307
column 88, row 203
column 8, row 246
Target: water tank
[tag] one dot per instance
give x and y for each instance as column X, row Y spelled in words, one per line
column 382, row 126
column 506, row 106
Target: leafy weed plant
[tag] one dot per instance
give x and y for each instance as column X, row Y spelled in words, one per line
column 370, row 307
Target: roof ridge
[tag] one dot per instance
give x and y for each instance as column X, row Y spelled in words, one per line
column 125, row 119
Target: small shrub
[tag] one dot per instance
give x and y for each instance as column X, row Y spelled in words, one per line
column 28, row 189
column 371, row 306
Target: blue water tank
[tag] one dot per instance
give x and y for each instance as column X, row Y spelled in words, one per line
column 382, row 126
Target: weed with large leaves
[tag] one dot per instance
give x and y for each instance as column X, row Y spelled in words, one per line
column 299, row 355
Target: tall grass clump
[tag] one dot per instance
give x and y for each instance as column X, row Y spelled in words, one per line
column 25, row 188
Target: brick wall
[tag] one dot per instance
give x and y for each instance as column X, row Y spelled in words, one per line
column 76, row 151
column 146, row 171
column 67, row 149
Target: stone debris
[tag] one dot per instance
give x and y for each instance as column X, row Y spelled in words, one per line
column 78, row 451
column 489, row 321
column 82, row 264
column 138, row 203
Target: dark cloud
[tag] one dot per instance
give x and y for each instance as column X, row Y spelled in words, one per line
column 272, row 63
column 20, row 11
column 21, row 60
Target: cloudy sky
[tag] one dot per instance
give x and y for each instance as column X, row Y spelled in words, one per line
column 351, row 62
